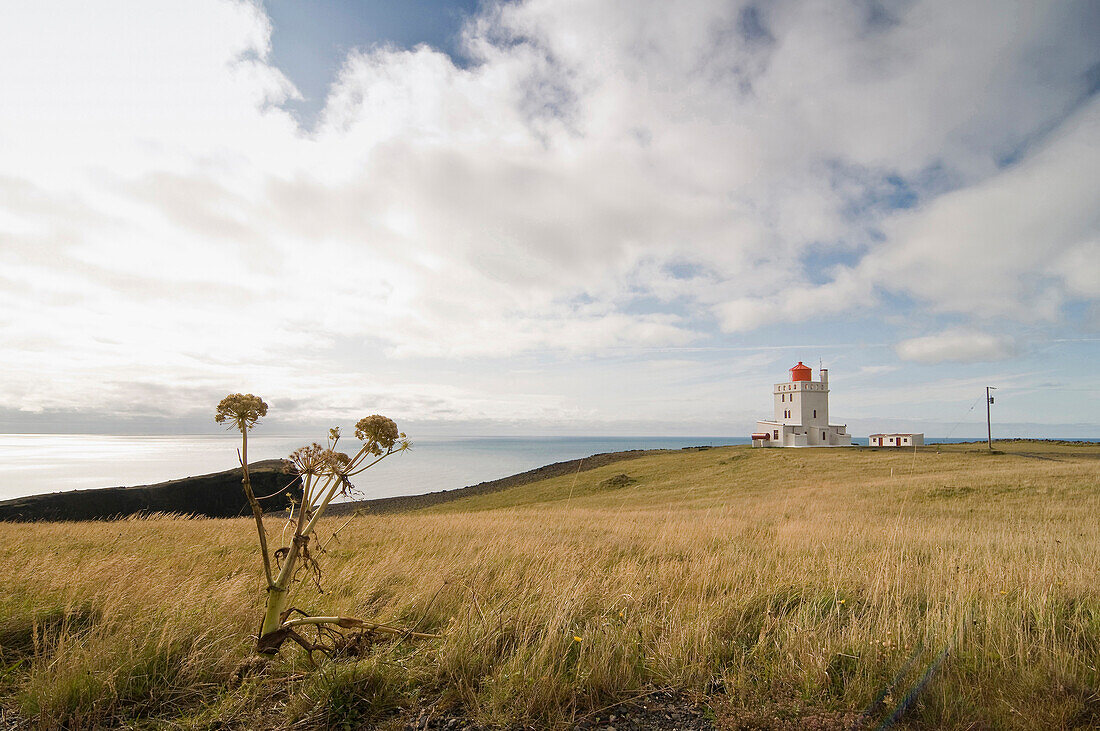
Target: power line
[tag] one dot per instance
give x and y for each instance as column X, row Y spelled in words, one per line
column 960, row 421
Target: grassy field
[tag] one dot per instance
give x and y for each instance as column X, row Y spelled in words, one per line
column 783, row 588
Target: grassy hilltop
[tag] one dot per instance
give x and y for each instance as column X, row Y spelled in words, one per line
column 780, row 588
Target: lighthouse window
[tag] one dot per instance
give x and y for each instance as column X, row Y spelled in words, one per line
column 815, row 413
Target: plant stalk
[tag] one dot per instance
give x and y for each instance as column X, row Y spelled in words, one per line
column 257, row 511
column 278, row 593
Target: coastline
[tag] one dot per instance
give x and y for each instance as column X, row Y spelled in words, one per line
column 213, row 495
column 218, row 494
column 402, row 503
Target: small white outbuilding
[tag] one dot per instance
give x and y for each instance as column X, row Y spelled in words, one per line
column 896, row 440
column 801, row 414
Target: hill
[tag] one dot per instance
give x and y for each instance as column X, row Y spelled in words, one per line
column 406, row 503
column 216, row 495
column 732, row 588
column 219, row 495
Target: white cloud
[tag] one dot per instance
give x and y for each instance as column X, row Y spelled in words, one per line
column 605, row 175
column 1019, row 243
column 958, row 346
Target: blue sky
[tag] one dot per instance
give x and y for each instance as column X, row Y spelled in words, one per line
column 310, row 40
column 545, row 217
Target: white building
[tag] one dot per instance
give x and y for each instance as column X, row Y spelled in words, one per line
column 896, row 440
column 801, row 415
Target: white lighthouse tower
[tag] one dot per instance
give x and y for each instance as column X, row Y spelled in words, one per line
column 801, row 414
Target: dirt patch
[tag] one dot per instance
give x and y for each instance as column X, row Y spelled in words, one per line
column 661, row 711
column 731, row 717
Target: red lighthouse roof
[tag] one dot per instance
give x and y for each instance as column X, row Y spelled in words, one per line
column 801, row 373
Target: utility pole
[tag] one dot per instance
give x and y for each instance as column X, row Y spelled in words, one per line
column 988, row 424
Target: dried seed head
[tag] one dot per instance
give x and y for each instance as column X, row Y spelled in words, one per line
column 242, row 410
column 305, row 460
column 377, row 431
column 335, row 462
column 317, row 460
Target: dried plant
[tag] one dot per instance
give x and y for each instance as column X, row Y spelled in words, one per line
column 244, row 411
column 324, row 474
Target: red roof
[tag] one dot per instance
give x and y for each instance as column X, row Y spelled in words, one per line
column 801, row 373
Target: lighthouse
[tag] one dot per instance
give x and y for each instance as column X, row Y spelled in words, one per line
column 801, row 414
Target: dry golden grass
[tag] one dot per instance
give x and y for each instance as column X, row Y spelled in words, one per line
column 785, row 583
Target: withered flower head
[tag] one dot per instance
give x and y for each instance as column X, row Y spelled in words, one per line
column 306, row 460
column 378, row 431
column 316, row 460
column 242, row 410
column 336, row 462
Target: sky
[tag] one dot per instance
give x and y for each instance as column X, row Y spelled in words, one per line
column 550, row 216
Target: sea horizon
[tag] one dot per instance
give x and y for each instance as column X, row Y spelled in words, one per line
column 39, row 463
